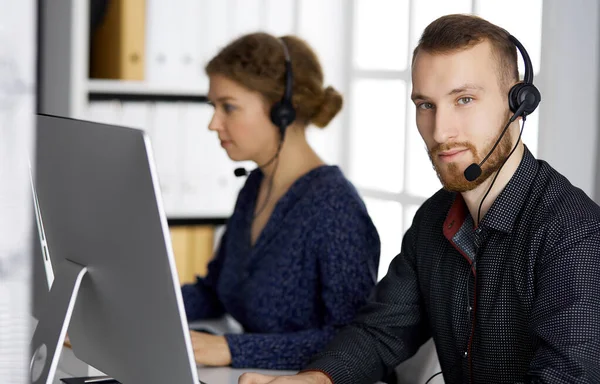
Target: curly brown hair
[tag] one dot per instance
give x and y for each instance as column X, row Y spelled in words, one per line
column 460, row 31
column 256, row 61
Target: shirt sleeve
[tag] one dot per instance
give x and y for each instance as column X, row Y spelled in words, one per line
column 280, row 351
column 200, row 298
column 565, row 323
column 347, row 247
column 388, row 329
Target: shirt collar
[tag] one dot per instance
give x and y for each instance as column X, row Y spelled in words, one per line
column 456, row 217
column 504, row 211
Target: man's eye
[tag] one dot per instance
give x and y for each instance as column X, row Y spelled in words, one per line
column 465, row 100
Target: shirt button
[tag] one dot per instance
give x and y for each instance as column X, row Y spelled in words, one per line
column 478, row 231
column 465, row 354
column 469, row 308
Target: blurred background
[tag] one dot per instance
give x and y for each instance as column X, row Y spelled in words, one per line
column 18, row 50
column 140, row 63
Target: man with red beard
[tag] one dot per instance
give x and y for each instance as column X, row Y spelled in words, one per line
column 501, row 266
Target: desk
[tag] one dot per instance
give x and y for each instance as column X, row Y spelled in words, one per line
column 228, row 375
column 71, row 366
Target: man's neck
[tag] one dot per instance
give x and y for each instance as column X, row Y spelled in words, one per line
column 473, row 198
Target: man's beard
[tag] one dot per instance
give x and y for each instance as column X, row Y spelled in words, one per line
column 453, row 178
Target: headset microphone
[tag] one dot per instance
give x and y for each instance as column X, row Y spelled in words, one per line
column 239, row 172
column 473, row 171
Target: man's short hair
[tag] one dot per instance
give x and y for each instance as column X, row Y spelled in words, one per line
column 456, row 32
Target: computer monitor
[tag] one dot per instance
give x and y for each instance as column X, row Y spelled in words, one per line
column 115, row 282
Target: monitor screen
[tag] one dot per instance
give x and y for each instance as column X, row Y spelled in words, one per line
column 99, row 199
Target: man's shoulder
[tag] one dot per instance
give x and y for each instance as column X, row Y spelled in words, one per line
column 435, row 208
column 557, row 210
column 439, row 200
column 554, row 195
column 559, row 216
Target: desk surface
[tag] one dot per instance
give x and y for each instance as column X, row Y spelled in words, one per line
column 227, row 375
column 71, row 366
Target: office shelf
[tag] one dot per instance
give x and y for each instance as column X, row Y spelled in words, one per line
column 143, row 91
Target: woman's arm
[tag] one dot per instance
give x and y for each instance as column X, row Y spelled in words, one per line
column 200, row 298
column 346, row 246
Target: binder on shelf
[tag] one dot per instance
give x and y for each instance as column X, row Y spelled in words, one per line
column 189, row 68
column 159, row 41
column 107, row 112
column 117, row 48
column 136, row 114
column 216, row 30
column 209, row 187
column 166, row 139
column 193, row 249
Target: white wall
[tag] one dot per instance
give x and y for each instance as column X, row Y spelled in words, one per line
column 17, row 74
column 568, row 133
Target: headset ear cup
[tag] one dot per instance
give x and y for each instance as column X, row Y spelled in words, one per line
column 275, row 114
column 282, row 115
column 530, row 95
column 524, row 93
column 513, row 101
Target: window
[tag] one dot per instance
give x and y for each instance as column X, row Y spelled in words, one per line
column 377, row 134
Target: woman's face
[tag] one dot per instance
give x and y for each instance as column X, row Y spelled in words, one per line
column 241, row 120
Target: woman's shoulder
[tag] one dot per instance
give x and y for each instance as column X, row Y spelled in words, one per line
column 331, row 187
column 339, row 210
column 329, row 199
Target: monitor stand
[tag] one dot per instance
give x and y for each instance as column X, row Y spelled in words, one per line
column 49, row 335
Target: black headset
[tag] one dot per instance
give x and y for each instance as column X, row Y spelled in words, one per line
column 283, row 112
column 523, row 98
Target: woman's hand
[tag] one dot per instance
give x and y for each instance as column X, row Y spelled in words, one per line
column 67, row 341
column 301, row 378
column 210, row 350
